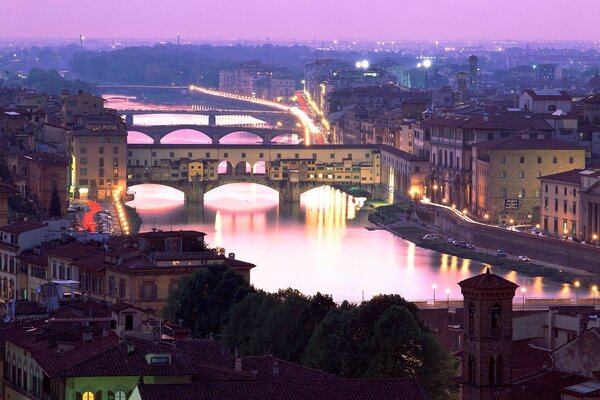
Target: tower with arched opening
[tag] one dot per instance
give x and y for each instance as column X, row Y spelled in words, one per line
column 487, row 337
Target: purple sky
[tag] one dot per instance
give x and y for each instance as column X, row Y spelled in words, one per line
column 303, row 19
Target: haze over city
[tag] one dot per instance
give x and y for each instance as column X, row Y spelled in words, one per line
column 551, row 20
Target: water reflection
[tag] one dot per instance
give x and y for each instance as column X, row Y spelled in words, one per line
column 318, row 245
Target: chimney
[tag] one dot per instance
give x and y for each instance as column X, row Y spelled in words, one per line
column 232, row 256
column 238, row 364
column 130, row 347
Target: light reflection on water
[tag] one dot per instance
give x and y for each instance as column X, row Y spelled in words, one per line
column 318, row 245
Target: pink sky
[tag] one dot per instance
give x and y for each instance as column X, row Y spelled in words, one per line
column 303, row 19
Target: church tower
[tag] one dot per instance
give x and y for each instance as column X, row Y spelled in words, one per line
column 487, row 337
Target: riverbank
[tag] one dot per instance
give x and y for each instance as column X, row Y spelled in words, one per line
column 413, row 231
column 135, row 221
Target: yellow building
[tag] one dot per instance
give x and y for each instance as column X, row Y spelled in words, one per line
column 505, row 184
column 98, row 158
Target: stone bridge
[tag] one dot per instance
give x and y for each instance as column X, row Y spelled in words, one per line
column 214, row 132
column 195, row 190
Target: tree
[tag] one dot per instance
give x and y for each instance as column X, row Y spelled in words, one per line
column 55, row 209
column 203, row 300
column 381, row 338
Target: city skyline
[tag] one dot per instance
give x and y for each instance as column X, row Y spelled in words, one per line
column 310, row 20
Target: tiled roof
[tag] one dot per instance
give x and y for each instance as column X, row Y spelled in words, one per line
column 29, row 257
column 526, row 360
column 328, row 389
column 571, row 176
column 21, row 227
column 7, row 187
column 548, row 95
column 546, row 385
column 76, row 250
column 49, row 357
column 487, row 280
column 265, row 368
column 202, row 358
column 518, row 143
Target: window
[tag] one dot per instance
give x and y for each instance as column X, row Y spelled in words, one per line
column 564, row 206
column 160, row 360
column 471, row 318
column 153, row 154
column 503, row 159
column 83, row 150
column 546, row 189
column 243, row 155
column 503, row 193
column 574, row 208
column 496, row 317
column 571, row 160
column 172, row 154
column 331, row 155
column 101, row 150
column 87, row 396
column 554, row 160
column 471, row 369
column 115, row 150
column 522, row 160
column 539, row 160
column 521, row 174
column 555, row 205
column 502, row 174
column 116, row 162
column 120, row 395
column 83, row 161
column 207, row 155
column 538, row 174
column 537, row 193
column 189, row 155
column 521, row 193
column 82, row 171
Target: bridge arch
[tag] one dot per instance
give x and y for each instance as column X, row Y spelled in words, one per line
column 185, row 136
column 137, row 137
column 243, row 168
column 241, row 137
column 225, row 168
column 151, row 196
column 259, row 168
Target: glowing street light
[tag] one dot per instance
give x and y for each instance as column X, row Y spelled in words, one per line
column 594, row 290
column 577, row 284
column 426, row 63
column 434, row 286
column 448, row 297
column 511, row 221
column 523, row 290
column 486, row 217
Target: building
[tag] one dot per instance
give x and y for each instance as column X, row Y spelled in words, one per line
column 80, row 105
column 545, row 101
column 403, row 175
column 487, row 337
column 98, row 158
column 15, row 239
column 563, row 212
column 506, row 171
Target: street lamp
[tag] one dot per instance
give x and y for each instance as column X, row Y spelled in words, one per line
column 523, row 290
column 434, row 286
column 595, row 238
column 486, row 217
column 511, row 221
column 577, row 284
column 594, row 290
column 448, row 298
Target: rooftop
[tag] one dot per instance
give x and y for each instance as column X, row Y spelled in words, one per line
column 487, row 280
column 21, row 227
column 327, row 389
column 518, row 143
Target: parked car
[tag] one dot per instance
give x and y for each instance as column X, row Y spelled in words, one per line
column 469, row 246
column 431, row 236
column 524, row 258
column 449, row 240
column 501, row 253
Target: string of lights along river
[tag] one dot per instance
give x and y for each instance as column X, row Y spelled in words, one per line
column 319, row 245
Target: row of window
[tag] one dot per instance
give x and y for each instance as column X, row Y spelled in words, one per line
column 573, row 191
column 243, row 155
column 84, row 150
column 101, row 182
column 565, row 206
column 539, row 160
column 84, row 161
column 23, row 376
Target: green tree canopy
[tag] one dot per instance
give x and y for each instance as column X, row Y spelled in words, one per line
column 203, row 299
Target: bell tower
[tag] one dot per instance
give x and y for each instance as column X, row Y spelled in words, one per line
column 487, row 337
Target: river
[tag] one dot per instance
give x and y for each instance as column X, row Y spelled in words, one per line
column 320, row 244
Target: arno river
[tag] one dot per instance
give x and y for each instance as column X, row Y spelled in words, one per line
column 320, row 244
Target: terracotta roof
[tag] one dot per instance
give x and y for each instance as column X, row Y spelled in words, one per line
column 546, row 385
column 518, row 143
column 21, row 227
column 548, row 95
column 487, row 280
column 201, row 358
column 49, row 357
column 339, row 389
column 571, row 176
column 29, row 257
column 262, row 368
column 7, row 187
column 526, row 360
column 76, row 250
